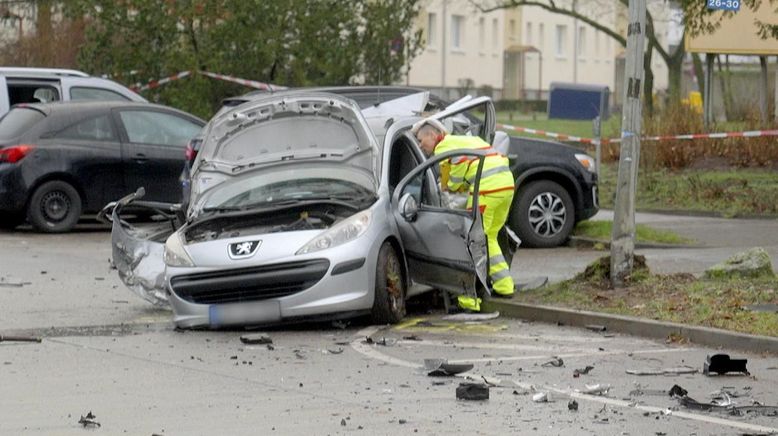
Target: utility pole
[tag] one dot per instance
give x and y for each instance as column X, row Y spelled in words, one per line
column 623, row 236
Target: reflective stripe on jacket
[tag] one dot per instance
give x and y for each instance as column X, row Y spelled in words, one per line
column 496, row 175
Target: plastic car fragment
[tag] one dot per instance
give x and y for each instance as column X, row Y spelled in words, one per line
column 723, row 364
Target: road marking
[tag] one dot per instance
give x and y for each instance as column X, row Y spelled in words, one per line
column 372, row 352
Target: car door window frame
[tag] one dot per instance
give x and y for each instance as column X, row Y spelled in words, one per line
column 114, row 130
column 77, row 87
column 125, row 137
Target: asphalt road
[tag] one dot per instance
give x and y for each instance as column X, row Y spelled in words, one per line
column 107, row 352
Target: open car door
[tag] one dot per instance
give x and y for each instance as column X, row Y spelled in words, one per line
column 138, row 250
column 445, row 247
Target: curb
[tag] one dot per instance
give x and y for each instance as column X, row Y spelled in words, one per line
column 631, row 325
column 584, row 242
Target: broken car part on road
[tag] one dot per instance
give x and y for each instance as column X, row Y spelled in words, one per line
column 472, row 391
column 722, row 364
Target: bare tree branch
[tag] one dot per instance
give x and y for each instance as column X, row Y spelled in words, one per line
column 552, row 7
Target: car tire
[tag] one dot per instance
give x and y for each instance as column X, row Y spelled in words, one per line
column 54, row 207
column 389, row 300
column 10, row 221
column 543, row 215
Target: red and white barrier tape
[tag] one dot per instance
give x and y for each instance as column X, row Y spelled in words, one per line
column 157, row 83
column 570, row 138
column 244, row 82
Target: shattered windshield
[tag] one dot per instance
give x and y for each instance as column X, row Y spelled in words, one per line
column 258, row 192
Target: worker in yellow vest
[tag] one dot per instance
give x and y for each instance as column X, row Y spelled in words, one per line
column 495, row 193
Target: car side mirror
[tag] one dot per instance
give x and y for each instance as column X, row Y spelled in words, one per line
column 409, row 208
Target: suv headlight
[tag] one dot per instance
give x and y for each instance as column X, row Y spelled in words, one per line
column 587, row 162
column 342, row 232
column 175, row 255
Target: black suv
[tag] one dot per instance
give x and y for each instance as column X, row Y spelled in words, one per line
column 60, row 160
column 556, row 184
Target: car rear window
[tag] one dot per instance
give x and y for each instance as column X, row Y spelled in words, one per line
column 18, row 121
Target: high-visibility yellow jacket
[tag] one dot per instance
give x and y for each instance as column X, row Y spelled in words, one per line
column 458, row 173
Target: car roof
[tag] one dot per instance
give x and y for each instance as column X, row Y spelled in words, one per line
column 91, row 106
column 38, row 72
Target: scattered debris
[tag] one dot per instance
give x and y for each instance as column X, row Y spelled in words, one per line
column 722, row 364
column 340, row 324
column 677, row 391
column 472, row 391
column 339, row 350
column 584, row 371
column 256, row 339
column 663, row 371
column 441, row 367
column 595, row 327
column 540, row 397
column 471, row 316
column 270, row 347
column 723, row 400
column 598, row 389
column 768, row 307
column 555, row 362
column 402, row 421
column 412, row 338
column 439, row 383
column 6, row 338
column 370, row 341
column 343, row 422
column 10, row 283
column 88, row 420
column 572, row 405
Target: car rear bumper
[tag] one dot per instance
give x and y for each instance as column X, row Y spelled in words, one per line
column 13, row 190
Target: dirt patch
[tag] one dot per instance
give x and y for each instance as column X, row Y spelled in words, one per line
column 712, row 163
column 599, row 271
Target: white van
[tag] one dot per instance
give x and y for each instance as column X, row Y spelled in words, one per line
column 45, row 85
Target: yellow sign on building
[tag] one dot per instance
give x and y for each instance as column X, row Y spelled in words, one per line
column 738, row 34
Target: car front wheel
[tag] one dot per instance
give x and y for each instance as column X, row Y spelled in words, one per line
column 389, row 301
column 543, row 214
column 54, row 207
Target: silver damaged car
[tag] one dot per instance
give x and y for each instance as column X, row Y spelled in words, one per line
column 303, row 206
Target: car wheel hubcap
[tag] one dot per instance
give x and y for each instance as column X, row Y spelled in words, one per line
column 394, row 285
column 55, row 206
column 547, row 214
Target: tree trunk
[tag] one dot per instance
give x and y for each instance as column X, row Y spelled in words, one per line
column 726, row 89
column 43, row 50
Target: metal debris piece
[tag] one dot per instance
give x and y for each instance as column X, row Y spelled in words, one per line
column 445, row 369
column 723, row 364
column 723, row 400
column 584, row 371
column 540, row 397
column 88, row 420
column 597, row 389
column 7, row 338
column 412, row 338
column 595, row 327
column 572, row 405
column 664, row 371
column 471, row 316
column 472, row 391
column 555, row 362
column 677, row 391
column 256, row 339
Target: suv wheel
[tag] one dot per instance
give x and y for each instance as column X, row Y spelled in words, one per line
column 54, row 207
column 543, row 214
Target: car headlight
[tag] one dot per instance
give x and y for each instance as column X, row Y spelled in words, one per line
column 342, row 232
column 175, row 255
column 587, row 162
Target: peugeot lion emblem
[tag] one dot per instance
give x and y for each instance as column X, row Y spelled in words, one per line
column 242, row 250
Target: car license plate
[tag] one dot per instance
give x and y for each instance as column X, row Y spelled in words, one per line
column 244, row 313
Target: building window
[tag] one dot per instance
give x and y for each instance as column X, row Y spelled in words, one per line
column 541, row 36
column 561, row 40
column 581, row 42
column 529, row 34
column 495, row 33
column 432, row 29
column 512, row 28
column 457, row 31
column 481, row 33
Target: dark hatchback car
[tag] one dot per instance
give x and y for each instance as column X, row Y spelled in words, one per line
column 61, row 160
column 556, row 184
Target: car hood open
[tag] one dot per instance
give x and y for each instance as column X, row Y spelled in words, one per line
column 290, row 127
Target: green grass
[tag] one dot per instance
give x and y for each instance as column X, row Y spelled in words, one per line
column 568, row 127
column 730, row 193
column 676, row 298
column 644, row 233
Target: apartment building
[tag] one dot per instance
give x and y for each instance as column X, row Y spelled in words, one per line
column 517, row 53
